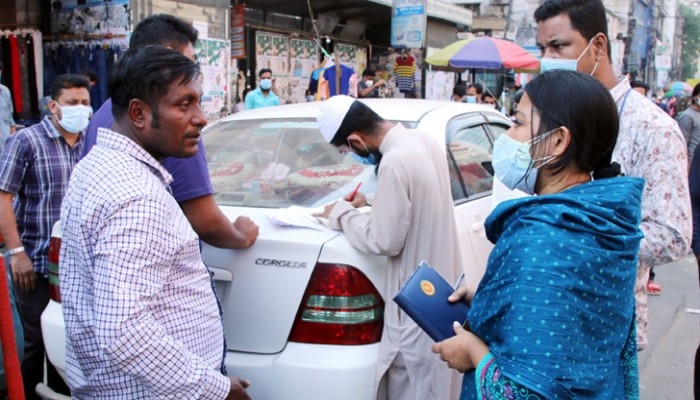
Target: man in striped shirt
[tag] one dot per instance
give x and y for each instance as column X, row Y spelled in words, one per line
column 141, row 318
column 35, row 165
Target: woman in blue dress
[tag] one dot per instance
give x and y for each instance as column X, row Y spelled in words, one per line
column 553, row 316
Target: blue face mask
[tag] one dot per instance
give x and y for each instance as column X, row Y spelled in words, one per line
column 470, row 99
column 369, row 160
column 265, row 84
column 513, row 164
column 547, row 64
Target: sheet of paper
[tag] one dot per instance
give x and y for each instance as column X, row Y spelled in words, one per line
column 300, row 217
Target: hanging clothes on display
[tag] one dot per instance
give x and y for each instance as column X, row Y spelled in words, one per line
column 76, row 56
column 405, row 72
column 347, row 80
column 313, row 81
column 20, row 53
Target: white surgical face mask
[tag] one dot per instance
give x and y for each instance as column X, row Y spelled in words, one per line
column 513, row 165
column 74, row 119
column 265, row 84
column 547, row 64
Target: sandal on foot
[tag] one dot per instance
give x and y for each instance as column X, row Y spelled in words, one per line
column 653, row 288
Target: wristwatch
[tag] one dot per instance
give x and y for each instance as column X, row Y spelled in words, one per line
column 16, row 250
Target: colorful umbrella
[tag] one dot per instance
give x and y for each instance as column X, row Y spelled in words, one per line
column 678, row 86
column 484, row 53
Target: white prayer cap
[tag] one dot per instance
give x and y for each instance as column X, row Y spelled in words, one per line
column 331, row 115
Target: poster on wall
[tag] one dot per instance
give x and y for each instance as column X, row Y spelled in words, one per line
column 272, row 51
column 92, row 17
column 439, row 85
column 352, row 56
column 303, row 60
column 213, row 57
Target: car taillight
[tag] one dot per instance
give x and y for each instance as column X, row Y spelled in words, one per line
column 54, row 250
column 340, row 306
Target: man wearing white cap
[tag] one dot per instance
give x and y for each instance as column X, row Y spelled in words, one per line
column 412, row 220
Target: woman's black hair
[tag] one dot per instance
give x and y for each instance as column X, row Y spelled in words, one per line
column 583, row 105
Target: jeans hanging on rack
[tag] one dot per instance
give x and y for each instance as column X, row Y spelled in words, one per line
column 23, row 50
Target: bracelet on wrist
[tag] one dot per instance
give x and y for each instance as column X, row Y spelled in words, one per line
column 16, row 250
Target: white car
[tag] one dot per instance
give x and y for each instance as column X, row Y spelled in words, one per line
column 302, row 308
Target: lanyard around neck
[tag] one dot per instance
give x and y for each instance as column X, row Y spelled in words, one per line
column 624, row 101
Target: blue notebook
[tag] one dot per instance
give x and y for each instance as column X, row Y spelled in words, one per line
column 424, row 299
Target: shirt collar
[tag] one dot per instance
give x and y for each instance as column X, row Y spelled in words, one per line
column 50, row 129
column 620, row 89
column 390, row 137
column 113, row 140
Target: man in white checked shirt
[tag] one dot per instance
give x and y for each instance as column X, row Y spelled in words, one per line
column 142, row 320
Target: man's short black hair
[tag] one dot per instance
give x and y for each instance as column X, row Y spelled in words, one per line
column 67, row 81
column 460, row 90
column 164, row 30
column 90, row 74
column 640, row 84
column 368, row 72
column 359, row 118
column 264, row 70
column 478, row 87
column 144, row 73
column 588, row 17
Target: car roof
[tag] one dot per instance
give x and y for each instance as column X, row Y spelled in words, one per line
column 408, row 110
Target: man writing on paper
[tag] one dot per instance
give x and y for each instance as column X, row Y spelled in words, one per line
column 411, row 220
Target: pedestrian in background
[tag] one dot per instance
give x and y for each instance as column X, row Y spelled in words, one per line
column 474, row 92
column 689, row 123
column 141, row 318
column 573, row 34
column 488, row 99
column 35, row 166
column 640, row 87
column 411, row 220
column 659, row 102
column 7, row 123
column 369, row 85
column 539, row 327
column 264, row 95
column 459, row 93
column 191, row 185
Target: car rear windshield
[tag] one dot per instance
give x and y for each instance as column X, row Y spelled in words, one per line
column 280, row 163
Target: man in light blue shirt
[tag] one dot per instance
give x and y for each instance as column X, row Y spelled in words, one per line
column 7, row 124
column 263, row 96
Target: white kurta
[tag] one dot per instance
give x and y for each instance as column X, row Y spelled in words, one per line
column 412, row 220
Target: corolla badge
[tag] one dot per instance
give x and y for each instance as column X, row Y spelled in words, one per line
column 280, row 263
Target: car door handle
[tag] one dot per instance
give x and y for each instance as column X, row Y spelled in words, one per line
column 478, row 227
column 220, row 274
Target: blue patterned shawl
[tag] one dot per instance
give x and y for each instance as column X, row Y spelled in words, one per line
column 556, row 305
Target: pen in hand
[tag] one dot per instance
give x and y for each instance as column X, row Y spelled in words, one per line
column 351, row 196
column 459, row 281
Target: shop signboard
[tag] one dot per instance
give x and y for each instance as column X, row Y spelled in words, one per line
column 238, row 31
column 408, row 23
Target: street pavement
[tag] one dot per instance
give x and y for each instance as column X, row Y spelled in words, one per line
column 666, row 364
